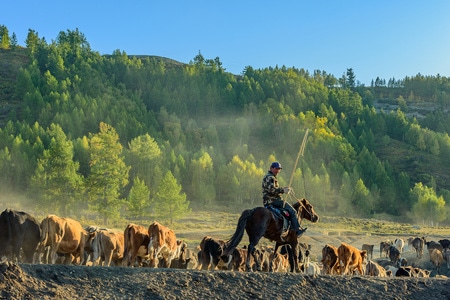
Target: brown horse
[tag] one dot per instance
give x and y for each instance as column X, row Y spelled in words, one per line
column 260, row 222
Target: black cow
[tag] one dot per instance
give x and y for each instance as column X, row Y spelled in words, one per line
column 404, row 272
column 445, row 243
column 18, row 230
column 394, row 255
column 210, row 252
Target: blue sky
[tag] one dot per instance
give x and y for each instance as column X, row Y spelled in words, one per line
column 384, row 38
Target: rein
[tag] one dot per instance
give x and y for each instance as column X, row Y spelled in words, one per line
column 292, row 194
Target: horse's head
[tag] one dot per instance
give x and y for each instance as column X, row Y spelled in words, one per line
column 306, row 210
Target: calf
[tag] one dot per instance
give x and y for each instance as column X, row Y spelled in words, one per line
column 384, row 248
column 369, row 249
column 434, row 245
column 210, row 252
column 445, row 243
column 437, row 259
column 374, row 269
column 351, row 258
column 330, row 259
column 394, row 255
column 181, row 261
column 311, row 268
column 280, row 262
column 447, row 257
column 235, row 261
column 265, row 255
column 107, row 247
column 405, row 272
column 421, row 273
column 418, row 244
column 399, row 244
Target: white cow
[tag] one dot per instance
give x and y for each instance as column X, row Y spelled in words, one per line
column 399, row 244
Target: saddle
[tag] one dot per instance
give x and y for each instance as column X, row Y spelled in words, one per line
column 282, row 214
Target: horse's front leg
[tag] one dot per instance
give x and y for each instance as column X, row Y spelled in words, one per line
column 251, row 250
column 272, row 256
column 295, row 266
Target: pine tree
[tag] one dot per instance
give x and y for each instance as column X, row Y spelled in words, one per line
column 170, row 201
column 56, row 182
column 138, row 199
column 109, row 173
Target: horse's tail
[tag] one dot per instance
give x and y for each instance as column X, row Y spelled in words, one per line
column 238, row 234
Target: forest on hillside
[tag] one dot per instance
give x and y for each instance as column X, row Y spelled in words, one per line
column 133, row 137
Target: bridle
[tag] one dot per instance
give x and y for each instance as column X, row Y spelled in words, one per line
column 301, row 208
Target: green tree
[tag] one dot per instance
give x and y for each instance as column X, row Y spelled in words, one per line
column 429, row 207
column 202, row 179
column 138, row 199
column 360, row 200
column 109, row 173
column 170, row 202
column 56, row 183
column 4, row 38
column 351, row 78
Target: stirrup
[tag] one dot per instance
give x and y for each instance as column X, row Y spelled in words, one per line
column 300, row 232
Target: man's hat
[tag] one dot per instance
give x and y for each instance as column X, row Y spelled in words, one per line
column 276, row 165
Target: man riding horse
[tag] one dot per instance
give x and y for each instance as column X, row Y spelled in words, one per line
column 272, row 196
column 263, row 222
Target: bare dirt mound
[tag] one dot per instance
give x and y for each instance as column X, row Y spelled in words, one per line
column 79, row 282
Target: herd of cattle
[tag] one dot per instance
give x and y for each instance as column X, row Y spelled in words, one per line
column 64, row 240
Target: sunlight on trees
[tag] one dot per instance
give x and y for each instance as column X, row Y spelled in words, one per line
column 109, row 173
column 170, row 202
column 428, row 208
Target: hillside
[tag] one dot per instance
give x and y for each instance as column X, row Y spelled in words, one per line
column 10, row 63
column 212, row 134
column 419, row 166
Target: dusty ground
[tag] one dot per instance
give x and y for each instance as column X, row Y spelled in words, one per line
column 79, row 282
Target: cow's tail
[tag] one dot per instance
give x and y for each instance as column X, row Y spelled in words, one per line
column 44, row 232
column 126, row 243
column 238, row 234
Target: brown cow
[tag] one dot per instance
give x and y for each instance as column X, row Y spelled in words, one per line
column 374, row 269
column 369, row 249
column 437, row 258
column 135, row 244
column 384, row 247
column 107, row 246
column 63, row 236
column 182, row 261
column 418, row 244
column 192, row 258
column 330, row 259
column 163, row 245
column 236, row 261
column 351, row 258
column 280, row 262
column 421, row 273
column 265, row 254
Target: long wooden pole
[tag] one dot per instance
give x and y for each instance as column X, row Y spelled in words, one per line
column 300, row 153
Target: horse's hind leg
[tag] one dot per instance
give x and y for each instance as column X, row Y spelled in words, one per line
column 251, row 251
column 256, row 257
